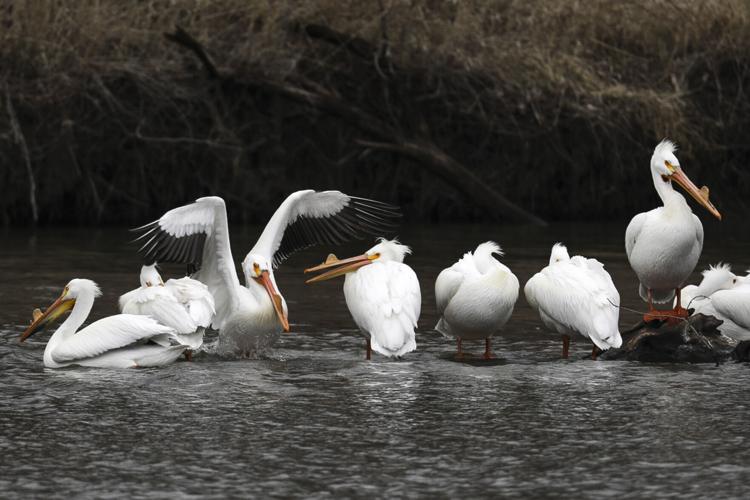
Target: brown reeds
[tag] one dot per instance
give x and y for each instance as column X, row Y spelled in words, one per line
column 554, row 105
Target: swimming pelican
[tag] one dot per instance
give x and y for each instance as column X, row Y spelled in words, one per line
column 251, row 317
column 185, row 305
column 112, row 342
column 664, row 244
column 576, row 295
column 475, row 297
column 382, row 294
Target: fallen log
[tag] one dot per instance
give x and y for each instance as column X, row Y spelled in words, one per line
column 695, row 340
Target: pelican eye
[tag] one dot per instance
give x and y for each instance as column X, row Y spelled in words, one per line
column 374, row 256
column 669, row 166
column 256, row 268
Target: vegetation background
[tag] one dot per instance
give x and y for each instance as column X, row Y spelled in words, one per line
column 455, row 110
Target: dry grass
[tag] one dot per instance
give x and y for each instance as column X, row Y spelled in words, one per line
column 552, row 102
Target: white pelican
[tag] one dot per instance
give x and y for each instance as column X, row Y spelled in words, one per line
column 715, row 278
column 250, row 317
column 725, row 296
column 576, row 295
column 733, row 307
column 382, row 294
column 112, row 342
column 664, row 244
column 475, row 297
column 185, row 305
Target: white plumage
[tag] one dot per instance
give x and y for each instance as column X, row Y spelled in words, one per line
column 383, row 296
column 733, row 307
column 195, row 297
column 250, row 317
column 576, row 295
column 113, row 342
column 725, row 296
column 475, row 296
column 715, row 278
column 663, row 245
column 185, row 305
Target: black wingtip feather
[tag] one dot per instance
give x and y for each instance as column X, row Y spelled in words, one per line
column 359, row 218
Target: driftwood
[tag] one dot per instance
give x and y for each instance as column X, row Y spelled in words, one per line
column 696, row 340
column 383, row 136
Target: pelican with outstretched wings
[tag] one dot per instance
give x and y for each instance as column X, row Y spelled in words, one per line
column 250, row 317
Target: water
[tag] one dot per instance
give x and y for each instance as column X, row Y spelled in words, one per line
column 316, row 420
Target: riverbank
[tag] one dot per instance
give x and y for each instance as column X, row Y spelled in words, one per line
column 455, row 111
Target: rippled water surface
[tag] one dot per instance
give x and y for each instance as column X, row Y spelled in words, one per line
column 315, row 419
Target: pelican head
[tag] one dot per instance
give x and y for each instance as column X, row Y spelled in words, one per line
column 150, row 276
column 715, row 278
column 257, row 268
column 665, row 165
column 73, row 290
column 559, row 254
column 384, row 251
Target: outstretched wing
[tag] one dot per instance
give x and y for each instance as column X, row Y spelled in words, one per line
column 308, row 218
column 107, row 334
column 198, row 235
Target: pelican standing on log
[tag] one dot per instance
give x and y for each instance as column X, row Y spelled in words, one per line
column 249, row 318
column 576, row 295
column 475, row 297
column 382, row 294
column 664, row 244
column 113, row 342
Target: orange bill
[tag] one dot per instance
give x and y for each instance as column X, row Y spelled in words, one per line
column 339, row 267
column 54, row 311
column 700, row 195
column 265, row 280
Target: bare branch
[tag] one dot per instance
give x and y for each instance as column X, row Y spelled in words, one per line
column 181, row 37
column 459, row 177
column 21, row 142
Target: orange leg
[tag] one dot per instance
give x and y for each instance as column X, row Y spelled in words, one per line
column 459, row 350
column 188, row 355
column 671, row 316
column 680, row 311
column 368, row 356
column 595, row 353
column 566, row 346
column 488, row 349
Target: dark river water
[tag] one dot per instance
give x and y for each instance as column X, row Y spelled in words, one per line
column 315, row 419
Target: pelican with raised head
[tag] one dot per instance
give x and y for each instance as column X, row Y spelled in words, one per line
column 249, row 318
column 664, row 244
column 382, row 294
column 576, row 295
column 186, row 305
column 117, row 341
column 475, row 297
